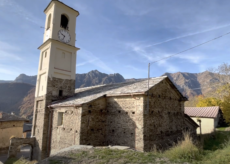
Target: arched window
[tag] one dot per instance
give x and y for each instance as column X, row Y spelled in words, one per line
column 64, row 22
column 48, row 23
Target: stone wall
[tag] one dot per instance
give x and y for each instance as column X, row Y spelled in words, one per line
column 40, row 128
column 93, row 123
column 125, row 121
column 68, row 133
column 8, row 129
column 16, row 142
column 42, row 114
column 164, row 121
column 56, row 84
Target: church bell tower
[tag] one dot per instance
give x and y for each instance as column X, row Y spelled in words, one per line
column 56, row 71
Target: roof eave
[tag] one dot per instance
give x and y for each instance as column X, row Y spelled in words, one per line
column 59, row 106
column 14, row 120
column 191, row 120
column 202, row 117
column 49, row 40
column 63, row 4
column 126, row 94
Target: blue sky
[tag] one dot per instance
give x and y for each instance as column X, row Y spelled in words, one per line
column 121, row 36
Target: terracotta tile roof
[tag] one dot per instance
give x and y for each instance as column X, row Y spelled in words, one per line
column 84, row 95
column 10, row 117
column 209, row 112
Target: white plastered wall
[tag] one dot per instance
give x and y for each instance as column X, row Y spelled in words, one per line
column 48, row 32
column 56, row 10
column 60, row 62
column 207, row 125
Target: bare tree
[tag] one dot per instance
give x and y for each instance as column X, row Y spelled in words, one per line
column 223, row 72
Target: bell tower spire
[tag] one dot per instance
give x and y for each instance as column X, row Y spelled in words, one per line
column 56, row 70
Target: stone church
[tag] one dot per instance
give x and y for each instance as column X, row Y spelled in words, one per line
column 131, row 114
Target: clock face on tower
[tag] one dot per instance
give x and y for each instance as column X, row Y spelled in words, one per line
column 64, row 36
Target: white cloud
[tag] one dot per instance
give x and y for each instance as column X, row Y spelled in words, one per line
column 86, row 62
column 9, row 56
column 133, row 8
column 8, row 52
column 136, row 69
column 13, row 7
column 140, row 50
column 187, row 35
column 193, row 58
column 168, row 67
column 8, row 72
column 88, row 56
column 84, row 9
column 7, row 46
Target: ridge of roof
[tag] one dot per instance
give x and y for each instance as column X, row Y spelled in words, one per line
column 88, row 94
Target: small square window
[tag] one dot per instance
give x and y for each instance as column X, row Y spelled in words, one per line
column 60, row 118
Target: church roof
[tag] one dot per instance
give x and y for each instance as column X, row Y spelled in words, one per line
column 85, row 95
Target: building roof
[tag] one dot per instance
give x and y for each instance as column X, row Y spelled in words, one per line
column 27, row 128
column 84, row 95
column 61, row 3
column 187, row 118
column 10, row 117
column 208, row 112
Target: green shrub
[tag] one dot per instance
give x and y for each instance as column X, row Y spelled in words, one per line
column 185, row 150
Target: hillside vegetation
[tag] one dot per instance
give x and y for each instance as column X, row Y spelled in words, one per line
column 190, row 84
column 12, row 95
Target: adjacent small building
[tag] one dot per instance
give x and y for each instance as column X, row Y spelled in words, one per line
column 10, row 125
column 208, row 116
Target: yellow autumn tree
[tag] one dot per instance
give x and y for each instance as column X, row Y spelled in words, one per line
column 223, row 90
column 208, row 101
column 226, row 108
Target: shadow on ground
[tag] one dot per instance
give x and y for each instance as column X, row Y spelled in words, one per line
column 216, row 140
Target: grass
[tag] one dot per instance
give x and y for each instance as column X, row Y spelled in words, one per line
column 18, row 161
column 113, row 156
column 214, row 149
column 215, row 141
column 221, row 128
column 219, row 156
column 55, row 162
column 184, row 150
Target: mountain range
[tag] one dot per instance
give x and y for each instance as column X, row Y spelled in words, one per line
column 18, row 95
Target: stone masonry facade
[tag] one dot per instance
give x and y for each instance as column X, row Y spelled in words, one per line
column 122, row 120
column 164, row 122
column 42, row 114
